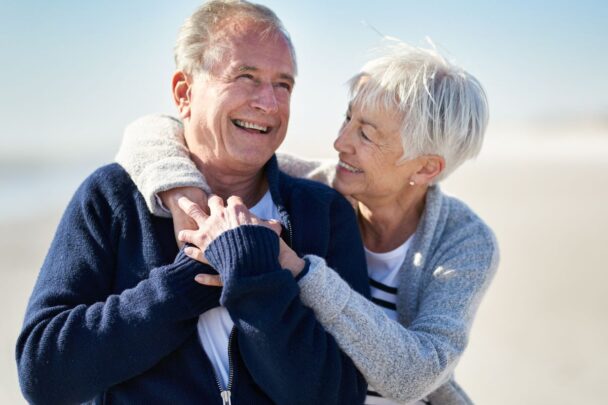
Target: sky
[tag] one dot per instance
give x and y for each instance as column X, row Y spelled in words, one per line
column 75, row 73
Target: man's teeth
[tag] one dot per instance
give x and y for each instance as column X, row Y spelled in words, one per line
column 250, row 125
column 349, row 167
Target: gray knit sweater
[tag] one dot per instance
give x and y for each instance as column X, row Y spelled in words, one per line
column 450, row 263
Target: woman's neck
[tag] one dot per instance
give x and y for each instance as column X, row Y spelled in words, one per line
column 387, row 223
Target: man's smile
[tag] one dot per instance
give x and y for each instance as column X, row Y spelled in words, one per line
column 248, row 125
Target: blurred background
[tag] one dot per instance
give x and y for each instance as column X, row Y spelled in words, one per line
column 75, row 73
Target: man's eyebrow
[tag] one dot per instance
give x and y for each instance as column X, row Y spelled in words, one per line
column 246, row 68
column 284, row 76
column 288, row 77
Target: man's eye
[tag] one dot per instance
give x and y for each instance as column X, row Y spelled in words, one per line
column 284, row 85
column 245, row 76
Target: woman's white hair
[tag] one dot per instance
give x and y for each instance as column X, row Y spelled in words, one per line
column 444, row 108
column 200, row 41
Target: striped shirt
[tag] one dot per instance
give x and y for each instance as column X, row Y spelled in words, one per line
column 383, row 269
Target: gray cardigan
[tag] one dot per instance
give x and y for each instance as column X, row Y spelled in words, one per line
column 450, row 263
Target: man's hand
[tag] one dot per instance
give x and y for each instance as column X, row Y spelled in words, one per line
column 221, row 219
column 207, row 227
column 288, row 259
column 184, row 220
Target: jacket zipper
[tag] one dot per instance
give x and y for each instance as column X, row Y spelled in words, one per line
column 290, row 235
column 227, row 393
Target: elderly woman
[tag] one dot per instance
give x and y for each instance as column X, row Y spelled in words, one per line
column 412, row 119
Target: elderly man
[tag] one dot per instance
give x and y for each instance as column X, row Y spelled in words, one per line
column 116, row 316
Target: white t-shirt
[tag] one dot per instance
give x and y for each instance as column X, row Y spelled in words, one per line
column 214, row 326
column 383, row 270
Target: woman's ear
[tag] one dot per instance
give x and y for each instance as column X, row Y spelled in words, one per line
column 431, row 167
column 180, row 86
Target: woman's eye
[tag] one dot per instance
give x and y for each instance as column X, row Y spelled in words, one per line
column 245, row 76
column 365, row 137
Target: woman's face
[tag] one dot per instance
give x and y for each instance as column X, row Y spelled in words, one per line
column 369, row 146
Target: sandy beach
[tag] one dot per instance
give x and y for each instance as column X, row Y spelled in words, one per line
column 540, row 334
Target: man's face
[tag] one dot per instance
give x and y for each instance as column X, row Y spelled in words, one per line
column 239, row 113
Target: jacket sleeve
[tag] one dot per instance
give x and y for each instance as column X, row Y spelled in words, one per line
column 287, row 350
column 79, row 338
column 405, row 363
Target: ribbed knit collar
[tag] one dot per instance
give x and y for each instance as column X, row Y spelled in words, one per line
column 271, row 169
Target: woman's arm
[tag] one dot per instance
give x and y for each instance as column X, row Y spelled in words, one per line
column 405, row 363
column 276, row 331
column 323, row 170
column 154, row 153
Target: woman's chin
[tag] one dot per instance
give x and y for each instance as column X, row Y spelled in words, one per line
column 344, row 186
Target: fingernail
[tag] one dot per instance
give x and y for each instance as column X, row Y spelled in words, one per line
column 188, row 251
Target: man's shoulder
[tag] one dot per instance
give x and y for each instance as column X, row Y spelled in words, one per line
column 107, row 172
column 110, row 183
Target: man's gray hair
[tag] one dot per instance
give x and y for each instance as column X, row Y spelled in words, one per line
column 200, row 41
column 444, row 108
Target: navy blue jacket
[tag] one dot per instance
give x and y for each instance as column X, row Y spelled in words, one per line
column 112, row 318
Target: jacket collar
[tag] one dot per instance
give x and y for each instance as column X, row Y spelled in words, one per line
column 275, row 186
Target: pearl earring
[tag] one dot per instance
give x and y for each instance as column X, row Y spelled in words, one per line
column 412, row 183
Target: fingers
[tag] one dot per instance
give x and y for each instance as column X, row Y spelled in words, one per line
column 238, row 213
column 212, row 280
column 216, row 204
column 195, row 253
column 188, row 236
column 274, row 225
column 234, row 200
column 193, row 210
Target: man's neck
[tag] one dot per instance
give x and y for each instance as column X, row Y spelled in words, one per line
column 249, row 185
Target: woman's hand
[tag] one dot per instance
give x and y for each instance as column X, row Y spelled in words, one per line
column 290, row 260
column 221, row 219
column 183, row 220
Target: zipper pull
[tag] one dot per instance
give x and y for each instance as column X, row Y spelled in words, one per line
column 226, row 397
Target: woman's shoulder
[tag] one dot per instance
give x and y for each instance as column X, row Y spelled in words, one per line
column 461, row 226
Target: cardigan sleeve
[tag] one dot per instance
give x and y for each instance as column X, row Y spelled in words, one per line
column 154, row 153
column 322, row 171
column 405, row 363
column 80, row 336
column 284, row 346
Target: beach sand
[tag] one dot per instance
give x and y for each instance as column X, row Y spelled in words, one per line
column 540, row 334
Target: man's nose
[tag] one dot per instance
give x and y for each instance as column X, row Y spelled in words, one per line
column 265, row 99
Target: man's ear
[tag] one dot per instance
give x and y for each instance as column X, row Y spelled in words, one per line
column 180, row 85
column 431, row 166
